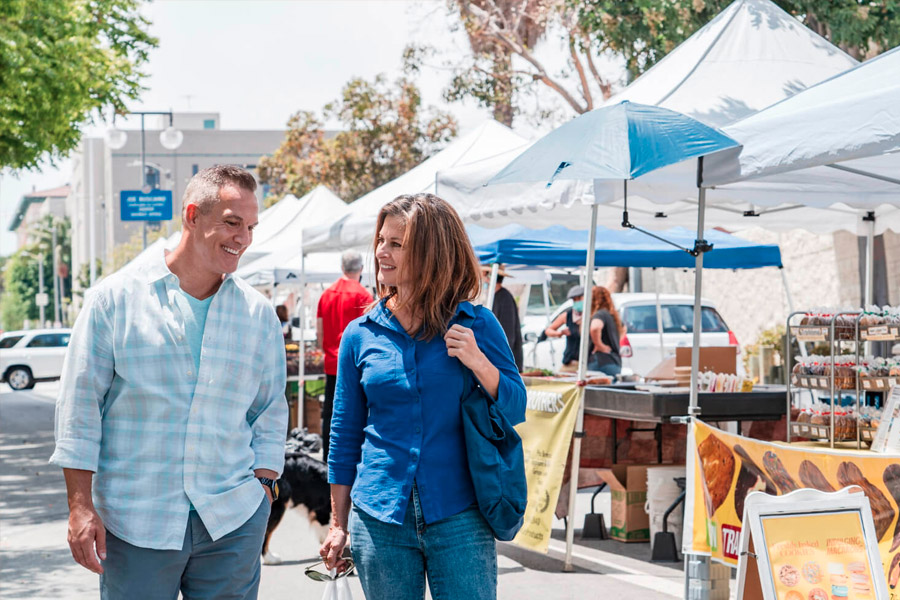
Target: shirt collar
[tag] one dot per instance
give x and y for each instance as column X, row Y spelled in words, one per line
column 382, row 315
column 157, row 269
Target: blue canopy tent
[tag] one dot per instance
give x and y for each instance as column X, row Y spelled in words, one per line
column 558, row 246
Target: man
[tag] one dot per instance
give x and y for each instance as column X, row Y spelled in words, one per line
column 507, row 312
column 344, row 301
column 172, row 405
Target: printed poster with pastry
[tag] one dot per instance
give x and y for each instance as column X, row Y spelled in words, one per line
column 818, row 556
column 726, row 467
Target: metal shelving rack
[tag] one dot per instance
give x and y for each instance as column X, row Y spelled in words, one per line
column 826, row 333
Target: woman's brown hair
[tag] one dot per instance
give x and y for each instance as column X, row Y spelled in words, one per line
column 602, row 299
column 442, row 268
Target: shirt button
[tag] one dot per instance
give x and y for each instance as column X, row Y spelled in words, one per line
column 416, row 399
column 418, row 429
column 210, row 382
column 189, row 373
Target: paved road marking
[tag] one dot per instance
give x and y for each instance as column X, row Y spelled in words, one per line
column 627, row 574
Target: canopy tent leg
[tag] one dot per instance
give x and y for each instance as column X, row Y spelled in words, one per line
column 659, row 322
column 694, row 407
column 582, row 371
column 492, row 286
column 869, row 294
column 301, row 368
column 545, row 289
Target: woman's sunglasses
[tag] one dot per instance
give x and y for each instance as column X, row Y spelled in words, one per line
column 319, row 576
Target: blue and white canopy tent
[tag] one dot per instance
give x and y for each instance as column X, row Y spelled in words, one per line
column 618, row 142
column 559, row 246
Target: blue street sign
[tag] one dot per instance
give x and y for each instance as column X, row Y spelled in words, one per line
column 155, row 205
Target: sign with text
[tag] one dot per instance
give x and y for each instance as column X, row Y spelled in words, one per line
column 155, row 205
column 810, row 545
column 725, row 469
column 546, row 435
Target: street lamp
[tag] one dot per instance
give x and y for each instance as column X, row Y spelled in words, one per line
column 170, row 138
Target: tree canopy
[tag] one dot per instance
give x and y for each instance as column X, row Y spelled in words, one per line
column 60, row 61
column 383, row 133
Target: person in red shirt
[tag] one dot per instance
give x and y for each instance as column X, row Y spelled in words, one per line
column 344, row 301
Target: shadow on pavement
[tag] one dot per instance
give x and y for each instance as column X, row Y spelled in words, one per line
column 25, row 573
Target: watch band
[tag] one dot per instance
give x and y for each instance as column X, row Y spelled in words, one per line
column 271, row 484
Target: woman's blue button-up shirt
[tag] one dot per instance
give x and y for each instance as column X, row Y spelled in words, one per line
column 397, row 416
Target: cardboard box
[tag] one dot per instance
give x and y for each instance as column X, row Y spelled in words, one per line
column 718, row 359
column 628, row 494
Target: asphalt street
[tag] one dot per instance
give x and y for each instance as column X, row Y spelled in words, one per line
column 35, row 561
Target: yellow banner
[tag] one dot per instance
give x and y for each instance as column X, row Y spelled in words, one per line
column 726, row 467
column 546, row 434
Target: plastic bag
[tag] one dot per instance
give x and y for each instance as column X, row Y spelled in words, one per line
column 337, row 589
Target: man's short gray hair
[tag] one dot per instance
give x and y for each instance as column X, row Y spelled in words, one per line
column 351, row 262
column 203, row 188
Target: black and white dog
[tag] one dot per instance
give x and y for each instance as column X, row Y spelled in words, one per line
column 304, row 486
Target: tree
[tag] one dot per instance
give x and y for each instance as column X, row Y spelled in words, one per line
column 640, row 32
column 60, row 61
column 21, row 274
column 384, row 134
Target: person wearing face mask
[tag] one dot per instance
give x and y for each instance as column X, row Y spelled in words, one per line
column 507, row 312
column 400, row 481
column 569, row 324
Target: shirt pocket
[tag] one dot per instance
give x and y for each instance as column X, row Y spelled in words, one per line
column 382, row 374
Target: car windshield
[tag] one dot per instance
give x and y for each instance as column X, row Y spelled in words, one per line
column 49, row 340
column 677, row 318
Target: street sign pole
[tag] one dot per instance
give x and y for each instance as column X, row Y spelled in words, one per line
column 143, row 174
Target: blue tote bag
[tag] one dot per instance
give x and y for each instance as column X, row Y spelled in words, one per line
column 495, row 456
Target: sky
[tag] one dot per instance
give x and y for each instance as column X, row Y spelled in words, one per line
column 258, row 62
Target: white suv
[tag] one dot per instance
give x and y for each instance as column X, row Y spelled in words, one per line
column 642, row 347
column 30, row 356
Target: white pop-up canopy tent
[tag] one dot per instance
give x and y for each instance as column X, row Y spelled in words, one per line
column 355, row 230
column 749, row 57
column 284, row 229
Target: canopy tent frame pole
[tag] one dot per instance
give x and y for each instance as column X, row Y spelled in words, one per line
column 301, row 367
column 869, row 291
column 659, row 322
column 701, row 247
column 582, row 372
column 545, row 289
column 492, row 286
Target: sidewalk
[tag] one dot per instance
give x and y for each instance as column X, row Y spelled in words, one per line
column 35, row 562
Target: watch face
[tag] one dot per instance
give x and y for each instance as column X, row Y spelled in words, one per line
column 275, row 491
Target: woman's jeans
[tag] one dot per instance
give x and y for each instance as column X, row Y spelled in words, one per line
column 458, row 554
column 611, row 369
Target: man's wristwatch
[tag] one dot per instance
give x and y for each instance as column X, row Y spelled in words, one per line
column 271, row 484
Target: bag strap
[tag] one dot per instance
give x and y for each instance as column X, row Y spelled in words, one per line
column 467, row 321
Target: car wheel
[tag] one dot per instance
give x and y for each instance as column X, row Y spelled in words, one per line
column 19, row 378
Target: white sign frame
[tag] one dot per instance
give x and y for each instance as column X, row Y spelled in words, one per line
column 759, row 505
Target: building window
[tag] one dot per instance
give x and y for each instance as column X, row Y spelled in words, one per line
column 209, row 123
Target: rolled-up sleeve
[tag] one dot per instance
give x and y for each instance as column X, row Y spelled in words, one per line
column 86, row 377
column 511, row 395
column 268, row 414
column 349, row 418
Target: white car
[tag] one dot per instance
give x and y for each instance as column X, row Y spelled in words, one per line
column 27, row 357
column 642, row 347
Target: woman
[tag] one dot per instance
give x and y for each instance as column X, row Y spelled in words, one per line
column 569, row 324
column 606, row 329
column 401, row 488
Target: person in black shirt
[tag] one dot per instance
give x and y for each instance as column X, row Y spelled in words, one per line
column 507, row 312
column 569, row 324
column 606, row 330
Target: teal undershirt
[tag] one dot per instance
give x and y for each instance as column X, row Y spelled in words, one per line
column 194, row 312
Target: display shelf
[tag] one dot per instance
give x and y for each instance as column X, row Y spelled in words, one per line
column 875, row 384
column 815, row 431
